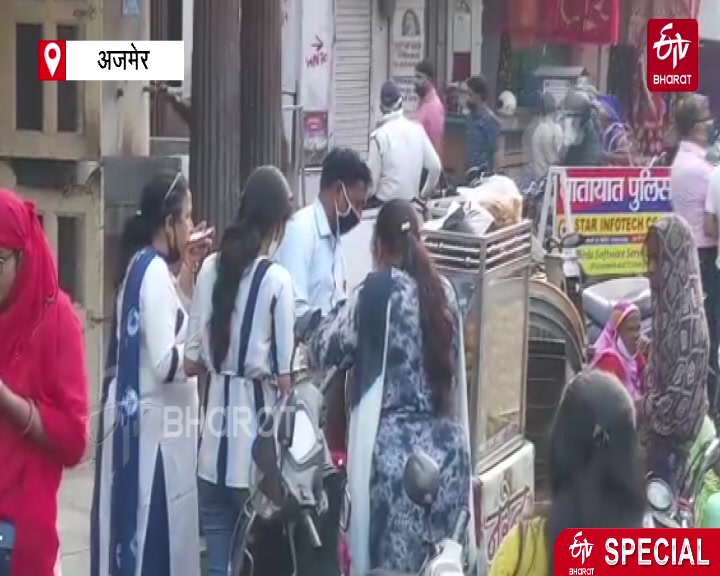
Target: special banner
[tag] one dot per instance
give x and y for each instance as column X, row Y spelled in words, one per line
column 613, row 207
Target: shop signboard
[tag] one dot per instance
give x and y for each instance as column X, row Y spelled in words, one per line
column 407, row 47
column 504, row 495
column 318, row 45
column 613, row 207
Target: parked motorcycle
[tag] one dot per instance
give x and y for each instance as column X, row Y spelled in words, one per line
column 290, row 524
column 421, row 479
column 669, row 510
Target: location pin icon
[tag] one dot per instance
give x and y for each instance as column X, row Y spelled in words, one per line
column 52, row 57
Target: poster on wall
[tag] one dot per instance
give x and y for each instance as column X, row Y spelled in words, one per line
column 407, row 47
column 316, row 76
column 316, row 137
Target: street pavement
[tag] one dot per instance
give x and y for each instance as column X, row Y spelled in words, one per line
column 74, row 519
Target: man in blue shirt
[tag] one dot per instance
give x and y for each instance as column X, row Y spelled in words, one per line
column 483, row 129
column 311, row 250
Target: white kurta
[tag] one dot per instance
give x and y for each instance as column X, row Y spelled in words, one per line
column 168, row 413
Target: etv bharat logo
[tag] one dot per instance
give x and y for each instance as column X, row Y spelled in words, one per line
column 580, row 549
column 676, row 47
column 673, row 55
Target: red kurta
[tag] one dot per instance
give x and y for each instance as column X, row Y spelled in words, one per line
column 41, row 360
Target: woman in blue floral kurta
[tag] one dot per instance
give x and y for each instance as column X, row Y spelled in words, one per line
column 401, row 330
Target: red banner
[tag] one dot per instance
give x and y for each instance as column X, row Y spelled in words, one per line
column 563, row 21
column 651, row 552
column 586, row 21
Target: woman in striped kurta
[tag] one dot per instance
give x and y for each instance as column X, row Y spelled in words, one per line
column 241, row 333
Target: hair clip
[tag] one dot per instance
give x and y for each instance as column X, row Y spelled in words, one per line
column 405, row 226
column 172, row 186
column 600, row 436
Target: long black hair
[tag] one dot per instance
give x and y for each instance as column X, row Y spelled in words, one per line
column 265, row 207
column 397, row 231
column 161, row 197
column 597, row 474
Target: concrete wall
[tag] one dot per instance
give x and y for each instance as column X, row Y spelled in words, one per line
column 125, row 108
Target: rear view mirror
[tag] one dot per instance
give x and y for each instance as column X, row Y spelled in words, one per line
column 306, row 324
column 286, row 421
column 572, row 240
column 421, row 479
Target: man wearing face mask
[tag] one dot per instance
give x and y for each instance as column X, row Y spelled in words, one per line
column 399, row 152
column 431, row 112
column 311, row 251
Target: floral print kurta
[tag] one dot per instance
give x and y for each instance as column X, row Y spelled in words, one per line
column 408, row 423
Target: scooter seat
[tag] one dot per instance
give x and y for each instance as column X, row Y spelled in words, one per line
column 601, row 298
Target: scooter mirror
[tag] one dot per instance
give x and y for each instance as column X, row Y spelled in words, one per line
column 306, row 324
column 572, row 240
column 421, row 479
column 286, row 421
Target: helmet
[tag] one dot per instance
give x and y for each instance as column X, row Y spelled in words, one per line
column 507, row 103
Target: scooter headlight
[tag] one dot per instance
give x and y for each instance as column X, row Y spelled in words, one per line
column 659, row 495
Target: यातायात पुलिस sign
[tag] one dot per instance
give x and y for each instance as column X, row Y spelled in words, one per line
column 613, row 207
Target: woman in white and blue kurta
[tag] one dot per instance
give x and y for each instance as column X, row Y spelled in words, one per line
column 403, row 333
column 241, row 332
column 145, row 508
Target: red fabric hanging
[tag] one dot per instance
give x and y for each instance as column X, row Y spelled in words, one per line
column 585, row 21
column 563, row 21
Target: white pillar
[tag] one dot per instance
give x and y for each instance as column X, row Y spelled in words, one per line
column 476, row 54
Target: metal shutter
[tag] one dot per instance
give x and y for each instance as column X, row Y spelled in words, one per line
column 353, row 47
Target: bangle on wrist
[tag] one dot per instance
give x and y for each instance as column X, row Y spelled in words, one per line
column 31, row 419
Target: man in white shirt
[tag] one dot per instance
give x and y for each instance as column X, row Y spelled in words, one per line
column 311, row 251
column 399, row 150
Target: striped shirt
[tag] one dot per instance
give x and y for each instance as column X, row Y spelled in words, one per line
column 230, row 424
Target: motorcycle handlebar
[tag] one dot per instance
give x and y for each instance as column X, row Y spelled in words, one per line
column 312, row 532
column 461, row 526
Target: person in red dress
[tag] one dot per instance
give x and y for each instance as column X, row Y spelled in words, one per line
column 43, row 390
column 617, row 348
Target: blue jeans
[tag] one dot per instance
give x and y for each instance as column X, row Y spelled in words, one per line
column 220, row 508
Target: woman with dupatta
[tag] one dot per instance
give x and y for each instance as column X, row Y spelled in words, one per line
column 617, row 348
column 43, row 391
column 675, row 401
column 402, row 332
column 145, row 507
